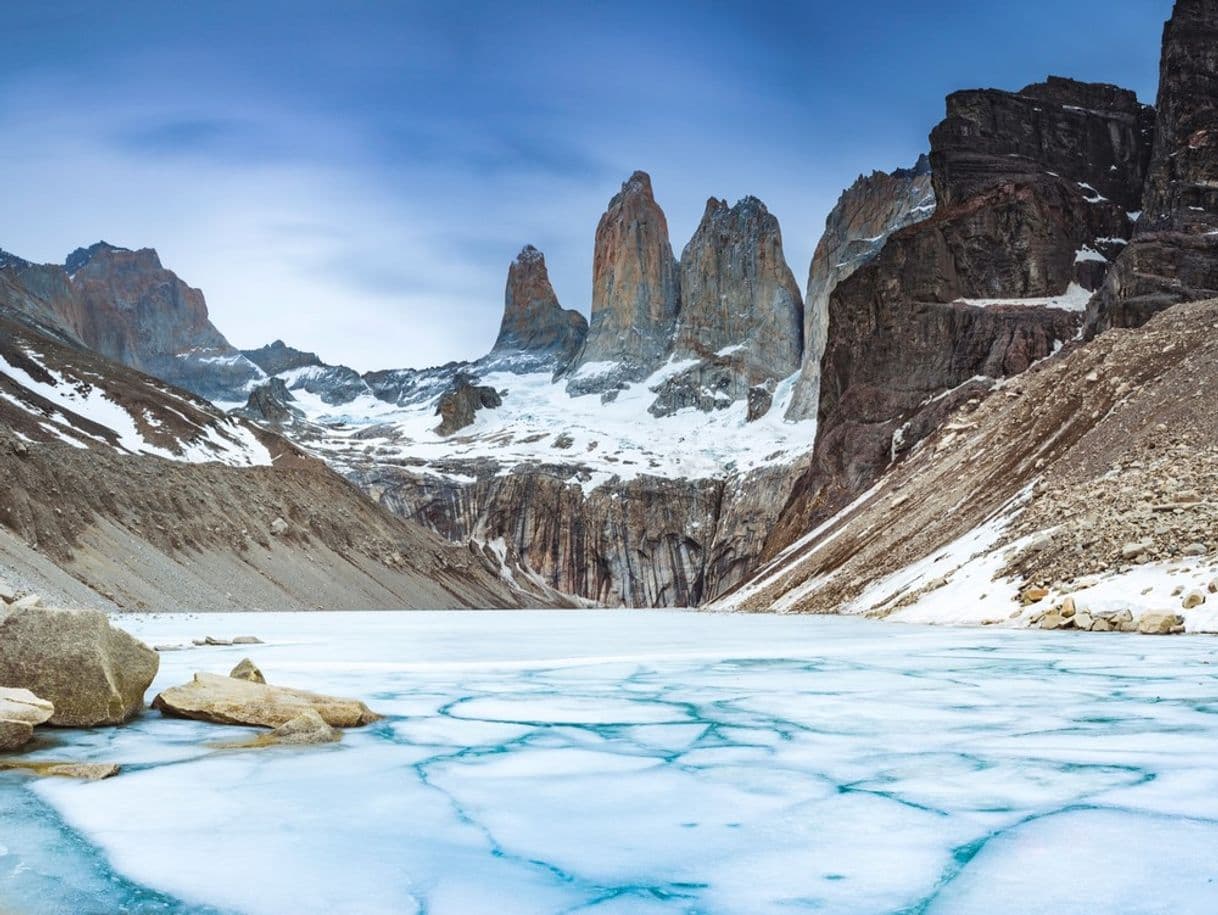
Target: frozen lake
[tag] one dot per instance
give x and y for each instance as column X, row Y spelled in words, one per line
column 622, row 761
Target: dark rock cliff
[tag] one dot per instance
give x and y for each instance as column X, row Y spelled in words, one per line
column 534, row 325
column 1174, row 254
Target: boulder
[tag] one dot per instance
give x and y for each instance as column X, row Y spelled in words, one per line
column 93, row 673
column 247, row 640
column 1084, row 620
column 1154, row 623
column 279, row 527
column 8, row 593
column 1193, row 599
column 247, row 670
column 306, row 729
column 20, row 712
column 25, row 603
column 1135, row 549
column 224, row 700
column 1033, row 594
column 91, row 772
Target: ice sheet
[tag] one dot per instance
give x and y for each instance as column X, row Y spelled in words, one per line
column 635, row 761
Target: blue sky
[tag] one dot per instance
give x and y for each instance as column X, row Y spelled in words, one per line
column 355, row 177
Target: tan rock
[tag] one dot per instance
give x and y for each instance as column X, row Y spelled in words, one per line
column 1155, row 623
column 1052, row 620
column 247, row 670
column 1212, row 587
column 1033, row 594
column 247, row 640
column 1193, row 599
column 1101, row 625
column 223, row 700
column 93, row 673
column 306, row 729
column 91, row 772
column 1068, row 608
column 1083, row 620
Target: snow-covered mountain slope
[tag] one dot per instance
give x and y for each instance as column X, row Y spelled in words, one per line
column 120, row 490
column 1090, row 477
column 82, row 401
column 597, row 496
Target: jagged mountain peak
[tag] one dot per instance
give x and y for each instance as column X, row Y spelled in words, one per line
column 82, row 256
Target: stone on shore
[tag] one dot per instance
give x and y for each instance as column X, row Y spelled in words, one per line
column 1160, row 624
column 92, row 673
column 90, row 772
column 306, row 729
column 20, row 712
column 247, row 670
column 224, row 700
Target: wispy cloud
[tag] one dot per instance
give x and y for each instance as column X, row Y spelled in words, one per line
column 356, row 179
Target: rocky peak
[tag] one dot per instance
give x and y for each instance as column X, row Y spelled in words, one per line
column 82, row 256
column 459, row 404
column 1092, row 133
column 1174, row 254
column 534, row 323
column 1182, row 189
column 867, row 213
column 635, row 292
column 738, row 293
column 279, row 357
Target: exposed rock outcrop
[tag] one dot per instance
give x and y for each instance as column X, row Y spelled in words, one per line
column 270, row 404
column 92, row 673
column 984, row 288
column 457, row 408
column 278, row 357
column 635, row 293
column 867, row 213
column 1174, row 254
column 741, row 314
column 643, row 542
column 134, row 311
column 534, row 325
column 226, row 700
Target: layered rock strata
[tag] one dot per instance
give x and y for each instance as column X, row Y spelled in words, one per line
column 1174, row 254
column 987, row 286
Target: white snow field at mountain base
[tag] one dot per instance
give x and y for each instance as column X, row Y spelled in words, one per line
column 649, row 761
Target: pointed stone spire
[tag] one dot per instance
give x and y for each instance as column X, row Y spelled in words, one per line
column 533, row 320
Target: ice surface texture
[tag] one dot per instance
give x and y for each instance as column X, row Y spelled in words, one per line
column 636, row 761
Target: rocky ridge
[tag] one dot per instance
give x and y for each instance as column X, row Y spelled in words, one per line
column 994, row 281
column 122, row 491
column 867, row 213
column 1083, row 499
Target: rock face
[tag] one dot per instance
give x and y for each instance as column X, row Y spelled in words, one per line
column 635, row 293
column 126, row 306
column 134, row 311
column 270, row 404
column 91, row 672
column 966, row 296
column 20, row 712
column 868, row 212
column 226, row 700
column 1174, row 254
column 741, row 314
column 645, row 542
column 534, row 325
column 457, row 408
column 279, row 357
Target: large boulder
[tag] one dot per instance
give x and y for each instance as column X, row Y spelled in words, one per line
column 20, row 712
column 93, row 673
column 226, row 700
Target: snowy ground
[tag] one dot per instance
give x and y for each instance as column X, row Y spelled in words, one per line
column 540, row 422
column 636, row 761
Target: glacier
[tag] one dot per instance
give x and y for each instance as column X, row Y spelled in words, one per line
column 616, row 761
